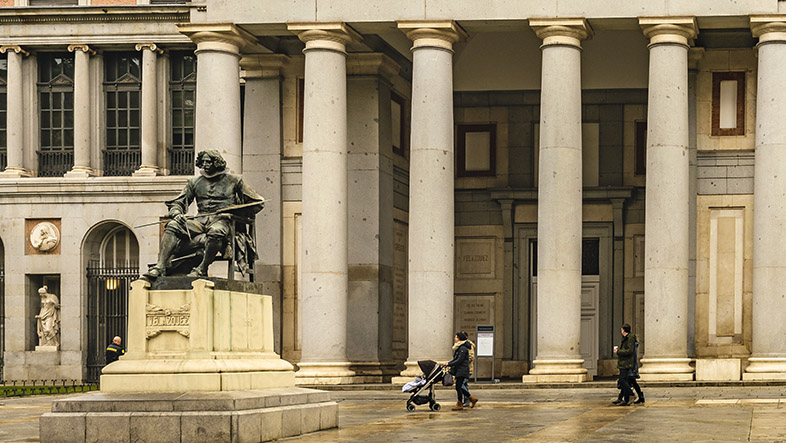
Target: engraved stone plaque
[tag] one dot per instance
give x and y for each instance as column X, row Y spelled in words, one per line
column 160, row 320
column 400, row 289
column 475, row 257
column 474, row 310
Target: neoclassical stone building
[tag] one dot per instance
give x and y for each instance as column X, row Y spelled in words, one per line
column 431, row 167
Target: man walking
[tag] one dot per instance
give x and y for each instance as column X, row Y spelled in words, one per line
column 114, row 350
column 626, row 355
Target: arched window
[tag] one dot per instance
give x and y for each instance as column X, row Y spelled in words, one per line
column 119, row 248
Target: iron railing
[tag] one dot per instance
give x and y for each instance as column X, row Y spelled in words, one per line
column 122, row 163
column 54, row 163
column 107, row 311
column 181, row 161
column 18, row 388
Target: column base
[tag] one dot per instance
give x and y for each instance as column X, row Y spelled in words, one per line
column 14, row 173
column 146, row 171
column 557, row 371
column 80, row 172
column 666, row 369
column 765, row 368
column 325, row 373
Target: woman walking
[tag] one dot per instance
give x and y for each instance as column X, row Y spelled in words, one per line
column 459, row 368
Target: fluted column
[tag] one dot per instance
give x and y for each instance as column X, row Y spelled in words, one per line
column 149, row 122
column 323, row 293
column 217, row 122
column 559, row 203
column 81, row 167
column 431, row 217
column 768, row 356
column 14, row 113
column 667, row 200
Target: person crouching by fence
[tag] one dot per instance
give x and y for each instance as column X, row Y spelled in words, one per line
column 459, row 368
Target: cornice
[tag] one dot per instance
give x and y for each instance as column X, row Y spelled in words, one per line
column 101, row 14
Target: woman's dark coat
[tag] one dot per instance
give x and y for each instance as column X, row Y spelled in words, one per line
column 459, row 366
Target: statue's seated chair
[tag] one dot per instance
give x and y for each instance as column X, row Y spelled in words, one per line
column 238, row 250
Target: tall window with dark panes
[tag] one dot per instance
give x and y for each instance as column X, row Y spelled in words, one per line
column 3, row 114
column 56, row 105
column 122, row 89
column 182, row 87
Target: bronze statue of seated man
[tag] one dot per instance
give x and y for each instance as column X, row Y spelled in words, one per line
column 222, row 198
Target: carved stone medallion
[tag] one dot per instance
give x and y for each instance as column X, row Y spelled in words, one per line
column 167, row 320
column 44, row 237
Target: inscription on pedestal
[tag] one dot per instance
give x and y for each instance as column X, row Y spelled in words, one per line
column 160, row 320
column 474, row 310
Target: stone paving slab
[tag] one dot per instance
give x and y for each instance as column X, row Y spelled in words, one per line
column 670, row 414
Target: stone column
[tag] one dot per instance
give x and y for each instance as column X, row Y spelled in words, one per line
column 149, row 121
column 768, row 356
column 323, row 293
column 262, row 149
column 559, row 203
column 667, row 202
column 82, row 167
column 431, row 217
column 217, row 122
column 15, row 123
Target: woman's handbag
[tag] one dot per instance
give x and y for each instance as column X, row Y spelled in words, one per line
column 447, row 379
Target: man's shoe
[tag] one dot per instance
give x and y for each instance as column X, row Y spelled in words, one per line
column 639, row 401
column 472, row 401
column 616, row 402
column 153, row 273
column 196, row 272
column 459, row 406
column 624, row 403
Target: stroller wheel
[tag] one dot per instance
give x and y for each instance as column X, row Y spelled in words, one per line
column 410, row 407
column 435, row 407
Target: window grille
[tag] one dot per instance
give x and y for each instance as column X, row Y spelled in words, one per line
column 56, row 112
column 182, row 87
column 54, row 2
column 122, row 90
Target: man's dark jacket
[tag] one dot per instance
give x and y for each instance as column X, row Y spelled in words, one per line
column 626, row 354
column 113, row 352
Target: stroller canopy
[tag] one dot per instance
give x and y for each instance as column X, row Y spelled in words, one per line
column 428, row 366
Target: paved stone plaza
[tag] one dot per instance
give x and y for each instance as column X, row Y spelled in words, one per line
column 687, row 414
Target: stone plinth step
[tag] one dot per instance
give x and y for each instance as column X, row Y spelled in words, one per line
column 227, row 416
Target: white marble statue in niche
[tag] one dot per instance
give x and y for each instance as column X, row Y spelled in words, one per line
column 48, row 321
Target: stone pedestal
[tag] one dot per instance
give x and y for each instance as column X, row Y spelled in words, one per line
column 47, row 348
column 718, row 369
column 200, row 366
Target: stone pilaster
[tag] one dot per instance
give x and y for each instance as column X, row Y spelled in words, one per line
column 217, row 122
column 768, row 356
column 667, row 210
column 149, row 166
column 325, row 210
column 262, row 150
column 431, row 213
column 82, row 166
column 15, row 123
column 559, row 203
column 370, row 197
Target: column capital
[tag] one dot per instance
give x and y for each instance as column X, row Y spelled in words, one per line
column 263, row 65
column 150, row 47
column 669, row 30
column 331, row 36
column 769, row 28
column 432, row 33
column 83, row 48
column 561, row 31
column 221, row 37
column 372, row 63
column 14, row 48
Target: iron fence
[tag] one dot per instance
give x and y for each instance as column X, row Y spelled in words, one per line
column 17, row 388
column 54, row 163
column 107, row 310
column 122, row 163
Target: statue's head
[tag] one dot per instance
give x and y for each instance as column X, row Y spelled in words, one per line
column 43, row 291
column 210, row 161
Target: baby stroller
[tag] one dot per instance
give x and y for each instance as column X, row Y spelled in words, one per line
column 433, row 373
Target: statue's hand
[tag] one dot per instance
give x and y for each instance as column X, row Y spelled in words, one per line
column 180, row 219
column 224, row 216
